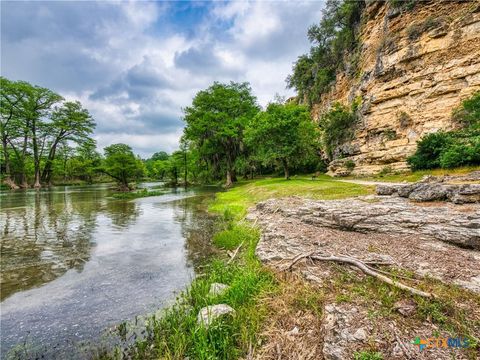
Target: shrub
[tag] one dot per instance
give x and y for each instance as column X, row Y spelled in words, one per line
column 461, row 154
column 337, row 126
column 429, row 149
column 350, row 165
column 404, row 119
column 468, row 113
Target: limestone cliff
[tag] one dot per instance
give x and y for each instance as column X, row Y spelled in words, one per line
column 413, row 68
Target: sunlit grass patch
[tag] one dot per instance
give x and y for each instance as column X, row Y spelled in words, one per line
column 246, row 193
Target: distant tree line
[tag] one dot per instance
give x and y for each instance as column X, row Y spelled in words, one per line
column 38, row 128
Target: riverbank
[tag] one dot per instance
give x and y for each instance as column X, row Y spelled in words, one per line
column 282, row 314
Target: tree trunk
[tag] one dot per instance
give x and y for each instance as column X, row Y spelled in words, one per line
column 37, row 184
column 185, row 165
column 285, row 169
column 8, row 177
column 36, row 157
column 229, row 178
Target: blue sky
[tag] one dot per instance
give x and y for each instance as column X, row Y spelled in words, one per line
column 136, row 64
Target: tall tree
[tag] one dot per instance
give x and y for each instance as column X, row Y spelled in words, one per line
column 11, row 94
column 70, row 122
column 216, row 120
column 122, row 165
column 36, row 106
column 283, row 134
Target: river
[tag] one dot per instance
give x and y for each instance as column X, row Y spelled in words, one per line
column 76, row 261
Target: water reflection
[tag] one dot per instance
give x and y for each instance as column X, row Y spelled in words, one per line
column 75, row 262
column 41, row 240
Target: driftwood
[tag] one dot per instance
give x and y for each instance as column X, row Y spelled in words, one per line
column 235, row 253
column 363, row 267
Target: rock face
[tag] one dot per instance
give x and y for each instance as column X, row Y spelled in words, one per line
column 420, row 237
column 458, row 194
column 414, row 68
column 390, row 215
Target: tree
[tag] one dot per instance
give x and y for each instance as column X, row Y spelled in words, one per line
column 35, row 107
column 160, row 155
column 122, row 165
column 215, row 122
column 70, row 122
column 284, row 134
column 11, row 95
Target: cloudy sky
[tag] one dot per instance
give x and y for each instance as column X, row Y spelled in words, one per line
column 135, row 65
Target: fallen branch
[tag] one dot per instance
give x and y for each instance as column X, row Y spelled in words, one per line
column 364, row 268
column 235, row 253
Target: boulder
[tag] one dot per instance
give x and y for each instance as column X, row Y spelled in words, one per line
column 217, row 289
column 209, row 314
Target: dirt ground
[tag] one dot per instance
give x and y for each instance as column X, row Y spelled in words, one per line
column 356, row 315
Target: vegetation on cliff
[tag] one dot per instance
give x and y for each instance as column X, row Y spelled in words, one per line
column 332, row 40
column 453, row 148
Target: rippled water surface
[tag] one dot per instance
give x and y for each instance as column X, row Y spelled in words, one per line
column 75, row 261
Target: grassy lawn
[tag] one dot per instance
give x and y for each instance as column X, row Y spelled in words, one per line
column 244, row 194
column 418, row 175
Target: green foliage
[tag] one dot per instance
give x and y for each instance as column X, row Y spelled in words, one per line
column 215, row 123
column 390, row 134
column 429, row 149
column 36, row 128
column 231, row 238
column 403, row 4
column 454, row 148
column 121, row 164
column 367, row 355
column 336, row 127
column 468, row 114
column 282, row 134
column 137, row 194
column 350, row 165
column 461, row 154
column 332, row 39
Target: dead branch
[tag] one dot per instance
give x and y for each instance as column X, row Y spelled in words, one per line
column 364, row 268
column 235, row 253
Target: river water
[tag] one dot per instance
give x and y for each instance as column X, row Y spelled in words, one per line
column 75, row 262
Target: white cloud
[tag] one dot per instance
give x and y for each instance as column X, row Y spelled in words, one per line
column 136, row 64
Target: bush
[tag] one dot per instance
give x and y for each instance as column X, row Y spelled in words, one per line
column 337, row 126
column 350, row 165
column 460, row 155
column 468, row 113
column 454, row 148
column 429, row 149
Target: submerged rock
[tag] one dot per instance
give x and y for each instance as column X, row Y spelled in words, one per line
column 209, row 314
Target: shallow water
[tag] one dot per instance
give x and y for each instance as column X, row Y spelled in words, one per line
column 75, row 262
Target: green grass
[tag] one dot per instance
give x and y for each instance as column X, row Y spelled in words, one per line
column 418, row 175
column 137, row 194
column 236, row 201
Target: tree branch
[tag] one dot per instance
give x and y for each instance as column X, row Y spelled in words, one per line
column 363, row 267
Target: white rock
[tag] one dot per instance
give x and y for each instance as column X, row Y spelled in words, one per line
column 209, row 314
column 360, row 334
column 217, row 289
